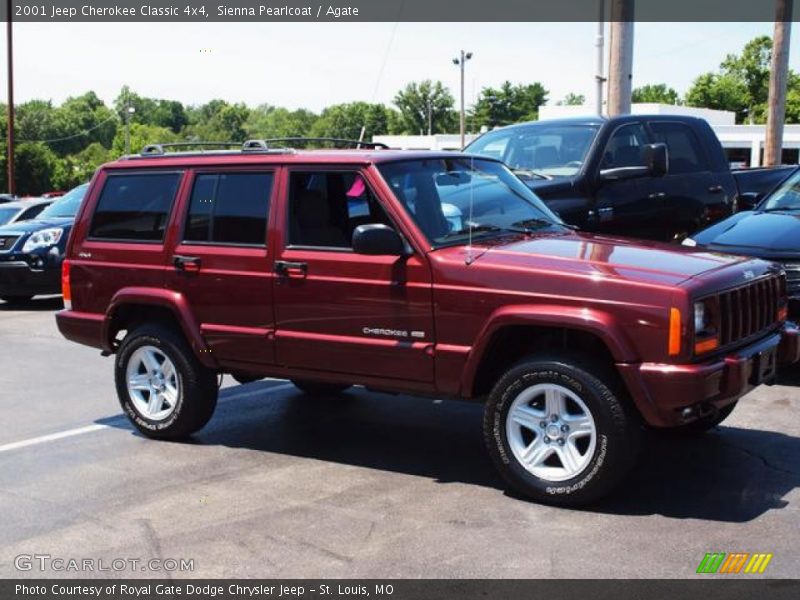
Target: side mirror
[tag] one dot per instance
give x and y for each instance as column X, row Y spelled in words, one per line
column 656, row 159
column 378, row 240
column 748, row 200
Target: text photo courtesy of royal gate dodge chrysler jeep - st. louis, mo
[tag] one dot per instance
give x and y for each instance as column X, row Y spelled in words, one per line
column 399, row 299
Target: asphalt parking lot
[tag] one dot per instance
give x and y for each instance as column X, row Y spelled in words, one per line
column 370, row 485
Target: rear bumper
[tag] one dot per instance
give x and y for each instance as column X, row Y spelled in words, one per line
column 671, row 395
column 17, row 278
column 83, row 328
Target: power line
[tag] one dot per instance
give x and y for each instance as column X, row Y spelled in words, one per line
column 70, row 137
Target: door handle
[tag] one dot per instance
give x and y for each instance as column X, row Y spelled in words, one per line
column 715, row 189
column 189, row 264
column 291, row 269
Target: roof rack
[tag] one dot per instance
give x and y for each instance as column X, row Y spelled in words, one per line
column 250, row 146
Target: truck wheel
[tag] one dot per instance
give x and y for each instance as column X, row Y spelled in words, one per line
column 16, row 299
column 704, row 424
column 557, row 431
column 165, row 392
column 317, row 388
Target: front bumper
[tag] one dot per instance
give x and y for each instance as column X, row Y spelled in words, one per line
column 671, row 395
column 18, row 278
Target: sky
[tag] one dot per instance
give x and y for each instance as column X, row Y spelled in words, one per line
column 312, row 65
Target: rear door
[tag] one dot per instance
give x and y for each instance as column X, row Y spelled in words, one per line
column 342, row 312
column 221, row 264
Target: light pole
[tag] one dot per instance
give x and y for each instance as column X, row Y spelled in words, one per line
column 10, row 55
column 465, row 56
column 430, row 115
column 128, row 114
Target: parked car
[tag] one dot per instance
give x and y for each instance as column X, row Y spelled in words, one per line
column 22, row 210
column 31, row 251
column 7, row 198
column 770, row 231
column 431, row 274
column 656, row 177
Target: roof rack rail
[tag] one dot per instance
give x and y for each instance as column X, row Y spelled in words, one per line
column 330, row 140
column 158, row 149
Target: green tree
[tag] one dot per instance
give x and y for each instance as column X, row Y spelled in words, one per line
column 346, row 121
column 34, row 164
column 656, row 93
column 508, row 104
column 267, row 121
column 720, row 92
column 80, row 121
column 141, row 135
column 423, row 104
column 572, row 99
column 217, row 121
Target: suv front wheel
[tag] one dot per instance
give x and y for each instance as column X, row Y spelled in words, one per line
column 163, row 389
column 557, row 431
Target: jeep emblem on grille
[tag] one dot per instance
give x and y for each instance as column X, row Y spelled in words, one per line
column 749, row 275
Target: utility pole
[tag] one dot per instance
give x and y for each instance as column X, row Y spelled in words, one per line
column 12, row 188
column 620, row 69
column 778, row 75
column 599, row 42
column 430, row 116
column 465, row 56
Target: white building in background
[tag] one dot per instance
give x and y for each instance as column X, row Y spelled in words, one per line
column 744, row 144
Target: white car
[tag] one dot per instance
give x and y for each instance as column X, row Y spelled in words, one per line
column 22, row 210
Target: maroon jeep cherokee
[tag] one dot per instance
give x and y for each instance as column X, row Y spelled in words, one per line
column 431, row 274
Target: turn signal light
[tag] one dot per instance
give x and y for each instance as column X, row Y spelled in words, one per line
column 66, row 291
column 706, row 345
column 674, row 332
column 783, row 313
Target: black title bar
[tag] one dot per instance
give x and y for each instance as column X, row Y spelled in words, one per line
column 142, row 11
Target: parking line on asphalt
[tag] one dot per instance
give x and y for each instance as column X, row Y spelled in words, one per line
column 43, row 439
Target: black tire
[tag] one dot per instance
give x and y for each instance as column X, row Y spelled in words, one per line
column 197, row 385
column 617, row 429
column 16, row 299
column 320, row 389
column 704, row 424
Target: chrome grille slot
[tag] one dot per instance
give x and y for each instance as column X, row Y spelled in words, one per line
column 749, row 310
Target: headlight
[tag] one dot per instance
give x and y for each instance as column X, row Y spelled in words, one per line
column 706, row 332
column 43, row 239
column 689, row 242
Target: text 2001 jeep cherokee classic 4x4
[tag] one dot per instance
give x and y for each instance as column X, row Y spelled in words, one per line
column 435, row 274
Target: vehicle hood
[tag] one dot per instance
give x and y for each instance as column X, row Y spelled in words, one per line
column 754, row 233
column 599, row 257
column 22, row 227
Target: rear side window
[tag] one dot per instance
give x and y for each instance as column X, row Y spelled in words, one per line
column 685, row 153
column 135, row 207
column 229, row 208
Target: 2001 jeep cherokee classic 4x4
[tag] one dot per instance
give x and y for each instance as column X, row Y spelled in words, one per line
column 434, row 274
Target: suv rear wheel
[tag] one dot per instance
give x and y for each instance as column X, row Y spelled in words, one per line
column 557, row 431
column 317, row 388
column 163, row 389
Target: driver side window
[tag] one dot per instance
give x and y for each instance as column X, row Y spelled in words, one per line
column 624, row 149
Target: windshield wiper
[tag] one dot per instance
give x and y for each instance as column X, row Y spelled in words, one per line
column 531, row 173
column 483, row 228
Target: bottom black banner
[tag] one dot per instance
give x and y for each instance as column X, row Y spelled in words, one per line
column 397, row 589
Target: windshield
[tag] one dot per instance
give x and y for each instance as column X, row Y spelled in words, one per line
column 6, row 214
column 544, row 149
column 786, row 197
column 67, row 205
column 451, row 198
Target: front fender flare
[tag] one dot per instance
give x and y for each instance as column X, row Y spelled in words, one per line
column 593, row 321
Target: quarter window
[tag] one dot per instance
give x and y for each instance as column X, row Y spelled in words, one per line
column 229, row 208
column 135, row 207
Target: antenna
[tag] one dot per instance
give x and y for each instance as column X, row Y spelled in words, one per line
column 470, row 258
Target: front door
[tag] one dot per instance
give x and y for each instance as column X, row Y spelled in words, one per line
column 221, row 264
column 342, row 312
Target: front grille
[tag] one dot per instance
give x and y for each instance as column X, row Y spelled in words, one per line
column 749, row 310
column 792, row 279
column 7, row 242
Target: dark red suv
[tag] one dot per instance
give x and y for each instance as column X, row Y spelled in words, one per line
column 431, row 274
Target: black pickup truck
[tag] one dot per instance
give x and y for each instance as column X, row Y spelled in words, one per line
column 659, row 177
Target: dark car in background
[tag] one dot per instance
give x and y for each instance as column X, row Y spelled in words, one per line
column 771, row 231
column 22, row 210
column 31, row 252
column 657, row 177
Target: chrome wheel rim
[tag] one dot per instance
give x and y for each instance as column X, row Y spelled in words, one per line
column 551, row 432
column 153, row 385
